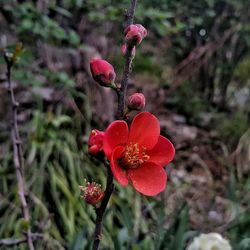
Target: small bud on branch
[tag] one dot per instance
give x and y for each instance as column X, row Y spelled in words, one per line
column 134, row 34
column 95, row 143
column 136, row 101
column 103, row 72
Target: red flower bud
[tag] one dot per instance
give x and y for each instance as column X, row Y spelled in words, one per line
column 136, row 101
column 102, row 72
column 95, row 142
column 134, row 33
column 124, row 50
column 92, row 193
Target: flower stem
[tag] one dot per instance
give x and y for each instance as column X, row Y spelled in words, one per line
column 101, row 210
column 121, row 94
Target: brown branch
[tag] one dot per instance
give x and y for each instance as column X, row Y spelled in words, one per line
column 18, row 155
column 130, row 13
column 101, row 210
column 121, row 93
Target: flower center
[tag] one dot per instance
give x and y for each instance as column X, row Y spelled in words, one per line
column 134, row 156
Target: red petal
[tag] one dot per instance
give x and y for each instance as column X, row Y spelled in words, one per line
column 118, row 172
column 149, row 179
column 145, row 130
column 115, row 135
column 162, row 153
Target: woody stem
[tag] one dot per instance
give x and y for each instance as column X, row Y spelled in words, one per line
column 101, row 210
column 18, row 157
column 121, row 93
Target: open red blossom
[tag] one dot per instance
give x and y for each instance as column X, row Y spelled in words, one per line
column 102, row 72
column 139, row 155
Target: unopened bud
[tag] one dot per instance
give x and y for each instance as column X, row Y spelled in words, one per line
column 134, row 33
column 102, row 72
column 95, row 142
column 136, row 101
column 92, row 193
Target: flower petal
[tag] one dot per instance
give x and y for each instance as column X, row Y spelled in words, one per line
column 115, row 135
column 148, row 179
column 145, row 130
column 118, row 172
column 162, row 153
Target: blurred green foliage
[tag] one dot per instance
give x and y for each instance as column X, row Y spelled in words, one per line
column 31, row 23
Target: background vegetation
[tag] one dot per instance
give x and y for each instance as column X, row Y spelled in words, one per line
column 194, row 69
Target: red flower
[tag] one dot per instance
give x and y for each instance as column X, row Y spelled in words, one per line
column 136, row 101
column 102, row 72
column 135, row 33
column 92, row 193
column 95, row 142
column 140, row 154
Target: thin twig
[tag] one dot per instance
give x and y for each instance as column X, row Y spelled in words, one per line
column 14, row 242
column 18, row 156
column 121, row 93
column 11, row 242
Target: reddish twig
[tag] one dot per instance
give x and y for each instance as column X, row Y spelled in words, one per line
column 121, row 93
column 18, row 155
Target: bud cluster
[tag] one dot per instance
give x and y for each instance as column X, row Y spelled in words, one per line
column 104, row 74
column 134, row 34
column 102, row 71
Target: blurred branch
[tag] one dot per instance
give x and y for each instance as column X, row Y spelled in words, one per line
column 14, row 242
column 129, row 15
column 11, row 242
column 17, row 147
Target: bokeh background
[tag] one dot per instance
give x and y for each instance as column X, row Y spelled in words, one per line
column 193, row 68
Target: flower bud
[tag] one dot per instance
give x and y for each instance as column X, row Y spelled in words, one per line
column 92, row 193
column 134, row 33
column 124, row 50
column 136, row 101
column 95, row 142
column 102, row 72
